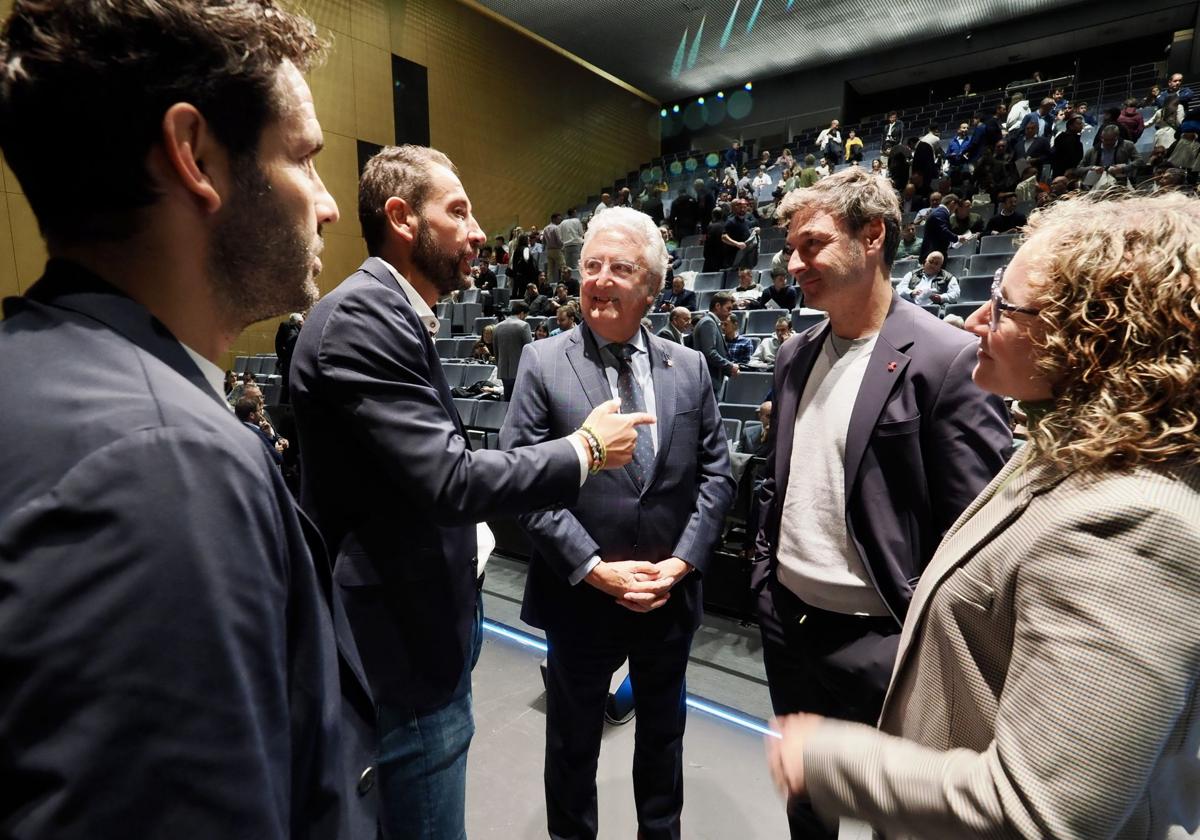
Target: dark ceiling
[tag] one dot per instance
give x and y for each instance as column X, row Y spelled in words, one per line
column 672, row 49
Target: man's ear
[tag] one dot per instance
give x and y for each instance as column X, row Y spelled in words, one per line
column 192, row 158
column 401, row 218
column 875, row 233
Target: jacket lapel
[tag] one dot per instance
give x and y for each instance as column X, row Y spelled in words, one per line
column 885, row 371
column 662, row 376
column 994, row 510
column 584, row 356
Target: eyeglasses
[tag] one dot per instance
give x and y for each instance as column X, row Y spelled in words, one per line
column 999, row 304
column 621, row 269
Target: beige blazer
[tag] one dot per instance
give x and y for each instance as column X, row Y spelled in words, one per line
column 1046, row 684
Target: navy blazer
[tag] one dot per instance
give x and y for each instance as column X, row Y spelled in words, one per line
column 923, row 442
column 678, row 512
column 389, row 477
column 937, row 236
column 168, row 666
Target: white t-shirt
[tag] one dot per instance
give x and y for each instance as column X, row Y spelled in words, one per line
column 817, row 559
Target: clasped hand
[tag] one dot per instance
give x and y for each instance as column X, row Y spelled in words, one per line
column 638, row 586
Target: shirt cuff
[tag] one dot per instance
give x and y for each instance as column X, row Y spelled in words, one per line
column 584, row 570
column 585, row 457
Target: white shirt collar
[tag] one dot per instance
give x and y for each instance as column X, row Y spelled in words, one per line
column 422, row 309
column 637, row 341
column 212, row 374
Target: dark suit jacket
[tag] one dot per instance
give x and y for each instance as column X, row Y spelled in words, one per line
column 267, row 442
column 669, row 333
column 709, row 340
column 678, row 512
column 923, row 442
column 1037, row 151
column 686, row 298
column 1046, row 131
column 395, row 488
column 938, row 236
column 1066, row 154
column 169, row 666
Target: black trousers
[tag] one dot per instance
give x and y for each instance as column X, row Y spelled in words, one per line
column 825, row 663
column 577, row 678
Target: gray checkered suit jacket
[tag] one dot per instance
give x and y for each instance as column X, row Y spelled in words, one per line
column 1047, row 679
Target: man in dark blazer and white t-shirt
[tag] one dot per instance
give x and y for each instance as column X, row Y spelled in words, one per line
column 397, row 491
column 879, row 440
column 657, row 519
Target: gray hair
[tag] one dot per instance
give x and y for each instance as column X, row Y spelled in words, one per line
column 640, row 226
column 854, row 196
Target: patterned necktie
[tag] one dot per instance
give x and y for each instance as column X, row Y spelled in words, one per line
column 632, row 401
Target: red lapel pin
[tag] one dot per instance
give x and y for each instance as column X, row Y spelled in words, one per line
column 891, row 367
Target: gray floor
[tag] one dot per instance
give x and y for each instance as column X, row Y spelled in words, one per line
column 727, row 789
column 726, row 662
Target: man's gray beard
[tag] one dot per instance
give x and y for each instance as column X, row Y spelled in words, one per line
column 259, row 262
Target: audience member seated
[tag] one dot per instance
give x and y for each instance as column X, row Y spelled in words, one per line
column 747, row 293
column 764, row 354
column 1185, row 154
column 537, row 302
column 754, row 440
column 247, row 410
column 1166, row 121
column 931, row 283
column 675, row 295
column 1008, row 219
column 231, row 382
column 910, row 243
column 566, row 318
column 239, row 389
column 829, row 142
column 761, row 179
column 679, row 326
column 1112, row 152
column 786, row 160
column 781, row 294
column 963, row 220
column 738, row 347
column 485, row 348
column 911, row 201
column 561, row 297
column 541, row 332
column 854, row 147
column 935, row 201
column 809, row 174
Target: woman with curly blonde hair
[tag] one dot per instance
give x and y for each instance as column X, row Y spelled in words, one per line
column 1048, row 679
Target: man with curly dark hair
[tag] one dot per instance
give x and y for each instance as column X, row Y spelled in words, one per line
column 169, row 666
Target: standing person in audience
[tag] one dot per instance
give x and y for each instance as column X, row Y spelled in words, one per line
column 616, row 574
column 1046, row 681
column 893, row 130
column 685, row 215
column 1175, row 87
column 606, row 202
column 765, row 353
column 170, row 665
column 938, row 235
column 714, row 246
column 390, row 480
column 708, row 338
column 510, row 337
column 927, row 159
column 808, row 174
column 1067, row 151
column 571, row 233
column 553, row 244
column 735, row 156
column 1018, row 110
column 737, row 235
column 881, row 440
column 679, row 326
column 285, row 343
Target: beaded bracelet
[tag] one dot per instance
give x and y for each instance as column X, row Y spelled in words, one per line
column 599, row 450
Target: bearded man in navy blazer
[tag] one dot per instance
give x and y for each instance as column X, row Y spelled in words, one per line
column 169, row 647
column 616, row 573
column 879, row 439
column 396, row 489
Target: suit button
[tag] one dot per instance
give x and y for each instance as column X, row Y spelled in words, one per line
column 366, row 781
